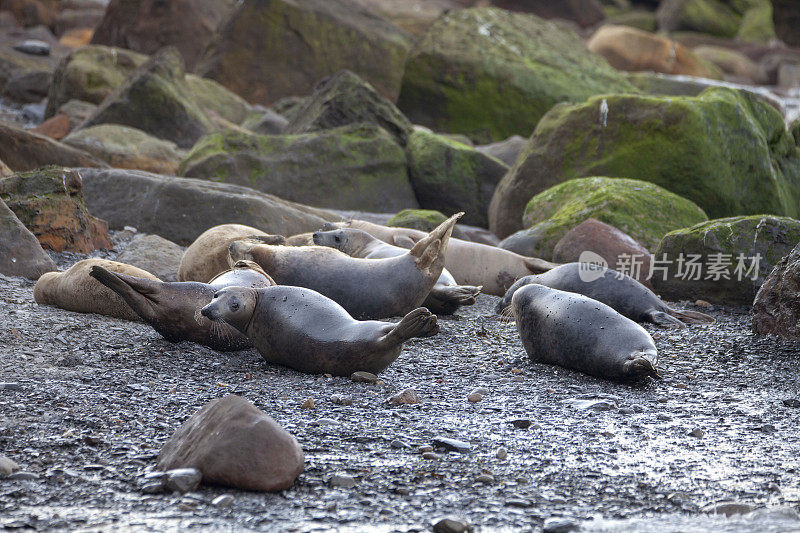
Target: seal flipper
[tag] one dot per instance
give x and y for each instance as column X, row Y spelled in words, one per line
column 692, row 317
column 663, row 319
column 136, row 292
column 433, row 246
column 418, row 323
column 538, row 266
column 446, row 299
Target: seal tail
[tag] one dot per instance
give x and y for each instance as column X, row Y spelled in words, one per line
column 538, row 266
column 665, row 320
column 418, row 323
column 692, row 317
column 136, row 292
column 434, row 245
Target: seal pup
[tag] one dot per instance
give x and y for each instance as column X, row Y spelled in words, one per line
column 302, row 329
column 173, row 308
column 470, row 263
column 207, row 256
column 445, row 297
column 615, row 289
column 570, row 330
column 75, row 290
column 366, row 288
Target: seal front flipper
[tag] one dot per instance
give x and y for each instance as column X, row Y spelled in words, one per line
column 446, row 299
column 418, row 323
column 138, row 293
column 538, row 266
column 663, row 319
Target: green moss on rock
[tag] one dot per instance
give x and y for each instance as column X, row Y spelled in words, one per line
column 214, row 97
column 421, row 219
column 713, row 17
column 642, row 210
column 756, row 25
column 490, row 74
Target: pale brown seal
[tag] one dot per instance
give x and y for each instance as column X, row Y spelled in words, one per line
column 173, row 309
column 302, row 329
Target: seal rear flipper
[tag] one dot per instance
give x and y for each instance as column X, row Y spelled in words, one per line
column 538, row 266
column 429, row 248
column 692, row 317
column 456, row 294
column 418, row 323
column 665, row 320
column 136, row 292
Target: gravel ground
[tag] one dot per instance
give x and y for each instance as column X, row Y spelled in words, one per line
column 97, row 397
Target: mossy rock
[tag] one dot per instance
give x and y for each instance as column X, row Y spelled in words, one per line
column 714, row 17
column 421, row 219
column 157, row 99
column 641, row 19
column 289, row 106
column 768, row 237
column 214, row 97
column 356, row 167
column 20, row 251
column 794, row 129
column 725, row 150
column 491, row 74
column 90, row 73
column 343, row 99
column 644, row 211
column 756, row 26
column 449, row 176
column 265, row 122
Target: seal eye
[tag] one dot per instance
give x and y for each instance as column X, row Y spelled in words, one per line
column 337, row 239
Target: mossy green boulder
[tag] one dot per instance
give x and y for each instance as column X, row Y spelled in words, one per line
column 449, row 176
column 725, row 150
column 157, row 100
column 421, row 219
column 215, row 98
column 490, row 73
column 723, row 248
column 644, row 211
column 90, row 73
column 356, row 167
column 747, row 20
column 345, row 98
column 794, row 129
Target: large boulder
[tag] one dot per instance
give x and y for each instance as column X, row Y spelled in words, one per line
column 22, row 150
column 776, row 308
column 725, row 150
column 707, row 16
column 491, row 74
column 20, row 72
column 724, row 260
column 50, row 203
column 234, row 444
column 584, row 13
column 155, row 254
column 215, row 98
column 126, row 147
column 157, row 100
column 20, row 251
column 89, row 74
column 786, row 16
column 448, row 176
column 644, row 211
column 267, row 50
column 627, row 48
column 344, row 99
column 352, row 167
column 146, row 26
column 735, row 65
column 180, row 209
column 506, row 151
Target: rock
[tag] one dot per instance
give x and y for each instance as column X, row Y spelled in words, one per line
column 7, row 466
column 725, row 150
column 787, row 19
column 713, row 17
column 339, row 399
column 344, row 99
column 20, row 251
column 502, row 454
column 485, row 478
column 584, row 13
column 644, row 211
column 342, row 480
column 353, row 167
column 404, row 397
column 619, row 250
column 154, row 254
column 157, row 100
column 266, row 122
column 308, row 403
column 28, row 87
column 182, row 480
column 728, row 508
column 452, row 445
column 127, row 147
column 234, row 444
column 70, row 21
column 756, row 25
column 734, row 64
column 776, row 308
column 364, row 377
column 521, row 423
column 560, row 525
column 474, row 397
column 591, row 404
column 627, row 48
column 491, row 74
column 76, row 37
column 506, row 151
column 430, row 456
column 268, row 50
column 723, row 248
column 215, row 98
column 77, row 111
column 90, row 74
column 791, row 402
column 421, row 219
column 21, row 69
column 697, row 433
column 788, row 76
column 180, row 209
column 146, row 26
column 31, row 12
column 223, row 501
column 448, row 176
column 22, row 151
column 50, row 203
column 33, row 47
column 451, row 524
column 22, row 476
column 56, row 127
column 641, row 19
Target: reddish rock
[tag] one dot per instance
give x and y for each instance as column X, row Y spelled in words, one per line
column 4, row 170
column 618, row 249
column 776, row 308
column 23, row 150
column 31, row 12
column 56, row 127
column 582, row 12
column 77, row 37
column 20, row 252
column 234, row 444
column 50, row 204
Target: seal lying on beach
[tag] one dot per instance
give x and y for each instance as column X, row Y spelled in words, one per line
column 173, row 309
column 302, row 329
column 75, row 290
column 366, row 288
column 621, row 292
column 470, row 263
column 445, row 297
column 570, row 330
